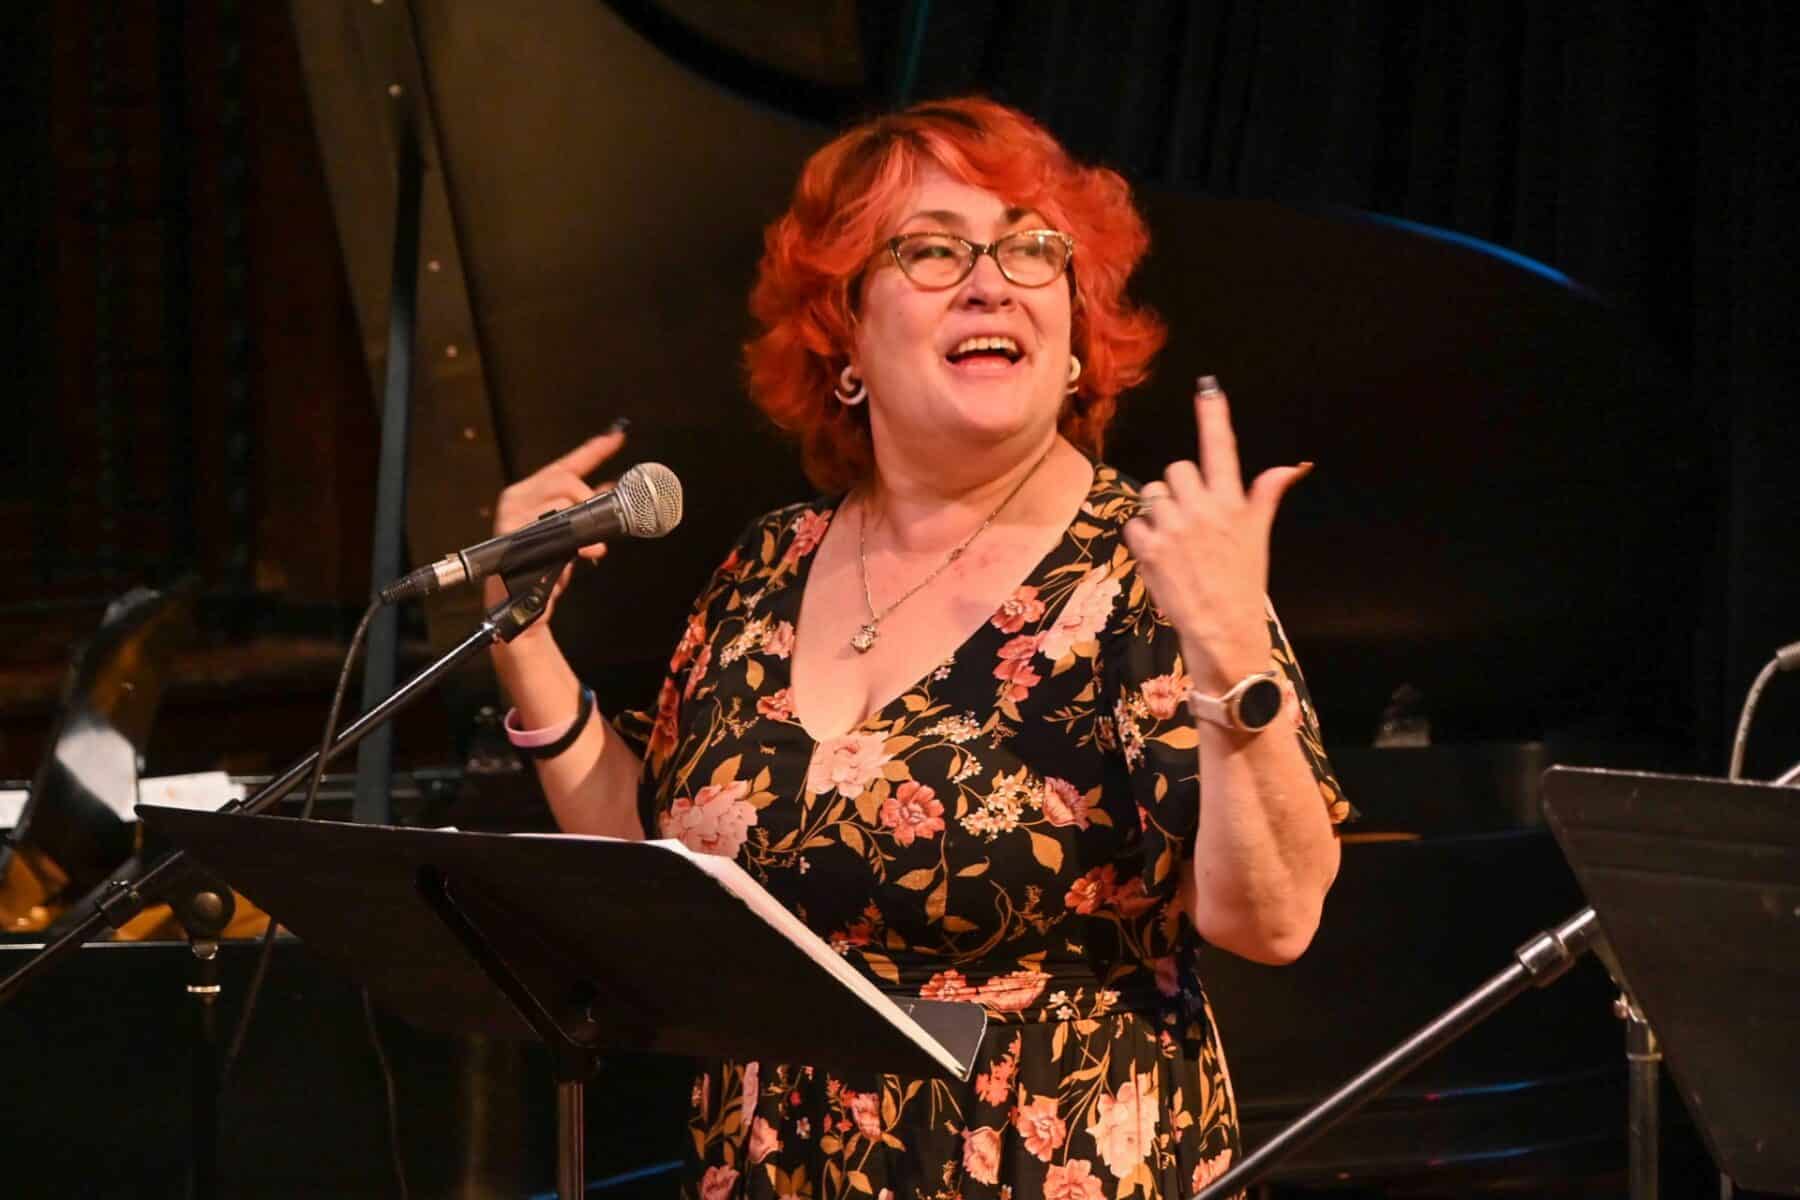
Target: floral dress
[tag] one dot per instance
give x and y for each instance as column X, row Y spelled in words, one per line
column 1011, row 830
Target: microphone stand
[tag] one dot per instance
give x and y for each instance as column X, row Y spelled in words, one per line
column 1539, row 962
column 125, row 898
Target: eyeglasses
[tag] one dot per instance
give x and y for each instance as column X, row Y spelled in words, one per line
column 1029, row 258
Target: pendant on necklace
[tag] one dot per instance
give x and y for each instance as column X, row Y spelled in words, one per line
column 865, row 637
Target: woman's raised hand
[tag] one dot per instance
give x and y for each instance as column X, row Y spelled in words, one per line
column 558, row 484
column 1202, row 541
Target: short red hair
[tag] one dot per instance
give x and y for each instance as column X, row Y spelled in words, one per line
column 848, row 195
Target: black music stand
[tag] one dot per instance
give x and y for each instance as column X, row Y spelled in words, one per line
column 587, row 945
column 1696, row 883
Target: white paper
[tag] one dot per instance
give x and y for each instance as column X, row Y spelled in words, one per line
column 103, row 762
column 739, row 883
column 204, row 791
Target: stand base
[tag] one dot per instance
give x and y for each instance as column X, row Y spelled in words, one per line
column 571, row 1126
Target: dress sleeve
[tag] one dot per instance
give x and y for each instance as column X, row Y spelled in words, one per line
column 1306, row 725
column 1155, row 737
column 651, row 732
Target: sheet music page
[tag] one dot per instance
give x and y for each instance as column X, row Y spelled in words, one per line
column 201, row 791
column 739, row 883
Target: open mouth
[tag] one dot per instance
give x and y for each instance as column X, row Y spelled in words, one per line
column 1000, row 351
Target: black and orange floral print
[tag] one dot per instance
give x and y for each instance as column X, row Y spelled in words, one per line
column 1012, row 830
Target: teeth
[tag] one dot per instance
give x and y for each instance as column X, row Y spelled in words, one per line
column 971, row 345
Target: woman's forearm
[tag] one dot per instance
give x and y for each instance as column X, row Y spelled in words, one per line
column 1264, row 853
column 592, row 785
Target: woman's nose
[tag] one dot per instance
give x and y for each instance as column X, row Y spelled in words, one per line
column 985, row 284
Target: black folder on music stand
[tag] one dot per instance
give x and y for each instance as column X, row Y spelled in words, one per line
column 589, row 945
column 1696, row 883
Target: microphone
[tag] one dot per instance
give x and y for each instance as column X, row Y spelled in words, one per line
column 645, row 503
column 1787, row 658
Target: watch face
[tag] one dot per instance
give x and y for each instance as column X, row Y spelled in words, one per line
column 1259, row 704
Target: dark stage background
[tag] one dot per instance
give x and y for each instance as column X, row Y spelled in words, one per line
column 192, row 395
column 1551, row 494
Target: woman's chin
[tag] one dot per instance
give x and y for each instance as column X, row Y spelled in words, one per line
column 991, row 419
column 996, row 401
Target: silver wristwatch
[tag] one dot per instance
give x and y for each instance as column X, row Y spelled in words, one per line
column 1248, row 706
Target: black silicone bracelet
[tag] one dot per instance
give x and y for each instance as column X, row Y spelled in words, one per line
column 583, row 714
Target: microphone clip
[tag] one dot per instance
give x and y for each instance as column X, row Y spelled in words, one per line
column 528, row 595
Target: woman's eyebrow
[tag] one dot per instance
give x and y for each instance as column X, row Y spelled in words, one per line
column 956, row 220
column 940, row 216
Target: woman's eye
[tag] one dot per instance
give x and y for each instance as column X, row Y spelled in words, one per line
column 921, row 251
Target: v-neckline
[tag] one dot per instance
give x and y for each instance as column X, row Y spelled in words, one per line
column 803, row 573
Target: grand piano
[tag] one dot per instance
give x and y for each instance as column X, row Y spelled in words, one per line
column 1471, row 602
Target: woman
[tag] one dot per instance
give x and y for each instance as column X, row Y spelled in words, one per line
column 944, row 714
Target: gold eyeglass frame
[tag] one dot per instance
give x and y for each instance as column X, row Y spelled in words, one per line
column 977, row 249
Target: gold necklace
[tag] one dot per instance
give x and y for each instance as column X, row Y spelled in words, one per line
column 864, row 638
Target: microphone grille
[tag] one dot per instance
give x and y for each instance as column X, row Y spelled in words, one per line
column 649, row 500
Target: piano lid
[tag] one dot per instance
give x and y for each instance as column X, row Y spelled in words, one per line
column 77, row 811
column 1501, row 479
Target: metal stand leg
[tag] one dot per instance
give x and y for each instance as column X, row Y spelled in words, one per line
column 572, row 1055
column 571, row 1131
column 1644, row 1055
column 204, row 911
column 203, row 1145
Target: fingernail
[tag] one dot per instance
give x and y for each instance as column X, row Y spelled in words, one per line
column 1304, row 467
column 1208, row 383
column 619, row 425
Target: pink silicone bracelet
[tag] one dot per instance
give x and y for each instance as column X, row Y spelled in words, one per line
column 527, row 739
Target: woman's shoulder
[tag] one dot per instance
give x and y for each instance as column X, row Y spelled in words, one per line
column 1108, row 569
column 790, row 514
column 781, row 536
column 1111, row 501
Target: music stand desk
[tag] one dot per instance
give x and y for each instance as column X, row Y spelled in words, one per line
column 589, row 945
column 1696, row 884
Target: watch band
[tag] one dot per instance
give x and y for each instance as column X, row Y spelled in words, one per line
column 1249, row 706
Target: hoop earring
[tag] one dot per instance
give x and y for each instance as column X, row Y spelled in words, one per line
column 850, row 390
column 1074, row 375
